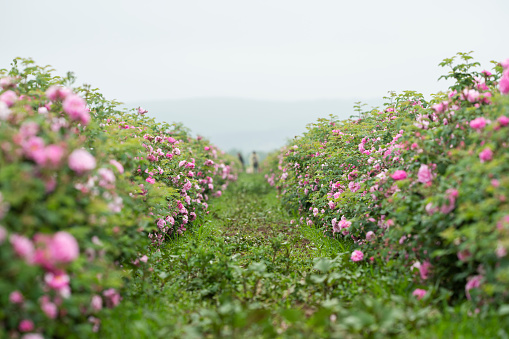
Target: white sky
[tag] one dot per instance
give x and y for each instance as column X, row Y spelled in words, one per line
column 276, row 49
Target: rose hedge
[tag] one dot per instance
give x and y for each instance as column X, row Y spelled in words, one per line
column 87, row 191
column 422, row 183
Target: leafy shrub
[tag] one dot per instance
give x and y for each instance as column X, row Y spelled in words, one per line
column 420, row 182
column 84, row 189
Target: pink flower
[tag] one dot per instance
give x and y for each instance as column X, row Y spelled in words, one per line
column 141, row 111
column 64, row 247
column 370, row 236
column 424, row 174
column 399, row 175
column 76, row 107
column 81, row 161
column 7, row 82
column 419, row 293
column 464, row 255
column 118, row 165
column 503, row 120
column 486, row 155
column 331, row 205
column 57, row 93
column 5, row 112
column 504, row 83
column 32, row 336
column 357, row 255
column 478, row 123
column 424, row 269
column 112, row 297
column 150, row 180
column 57, row 281
column 144, row 259
column 50, row 309
column 9, row 98
column 53, row 154
column 16, row 297
column 26, row 325
column 23, row 247
column 315, row 211
column 472, row 282
column 107, row 177
column 96, row 303
column 354, row 186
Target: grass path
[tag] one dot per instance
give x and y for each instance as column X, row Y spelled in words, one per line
column 248, row 273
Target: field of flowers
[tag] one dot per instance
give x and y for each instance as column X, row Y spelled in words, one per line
column 87, row 191
column 420, row 184
column 394, row 223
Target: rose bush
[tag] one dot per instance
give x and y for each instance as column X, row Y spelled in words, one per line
column 422, row 183
column 86, row 191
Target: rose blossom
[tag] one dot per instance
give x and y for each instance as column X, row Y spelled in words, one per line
column 399, row 175
column 424, row 174
column 76, row 107
column 96, row 303
column 357, row 255
column 64, row 247
column 478, row 123
column 16, row 297
column 81, row 161
column 419, row 293
column 5, row 112
column 486, row 155
column 473, row 282
column 9, row 98
column 26, row 325
column 370, row 236
column 23, row 247
column 503, row 120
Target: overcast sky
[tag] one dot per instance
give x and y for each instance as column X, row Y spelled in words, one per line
column 276, row 50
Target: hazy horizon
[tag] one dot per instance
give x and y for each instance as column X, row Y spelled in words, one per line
column 248, row 124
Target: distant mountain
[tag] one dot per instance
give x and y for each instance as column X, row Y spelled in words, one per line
column 246, row 124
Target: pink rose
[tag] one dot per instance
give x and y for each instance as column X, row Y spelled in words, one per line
column 472, row 282
column 357, row 256
column 57, row 281
column 9, row 98
column 64, row 247
column 486, row 155
column 503, row 120
column 26, row 325
column 419, row 293
column 16, row 297
column 53, row 154
column 76, row 107
column 57, row 93
column 96, row 303
column 23, row 247
column 118, row 165
column 424, row 270
column 478, row 123
column 424, row 174
column 370, row 236
column 150, row 180
column 5, row 112
column 50, row 309
column 399, row 175
column 504, row 83
column 112, row 297
column 81, row 161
